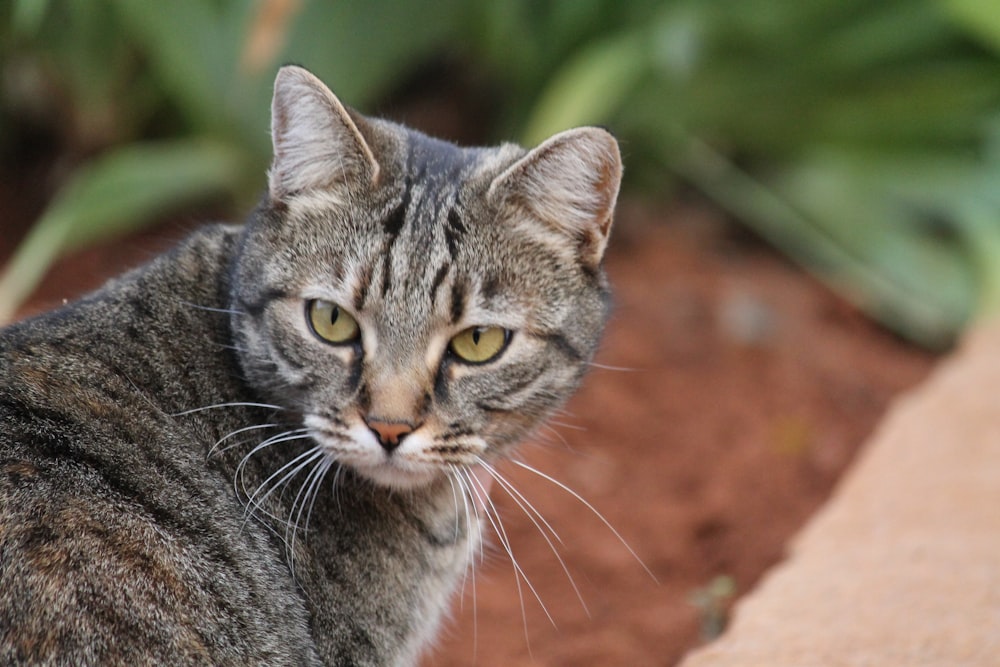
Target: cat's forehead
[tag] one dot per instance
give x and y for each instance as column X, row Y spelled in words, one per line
column 429, row 160
column 435, row 163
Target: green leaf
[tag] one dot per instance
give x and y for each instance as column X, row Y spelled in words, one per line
column 851, row 231
column 28, row 16
column 979, row 17
column 590, row 87
column 194, row 49
column 360, row 48
column 115, row 193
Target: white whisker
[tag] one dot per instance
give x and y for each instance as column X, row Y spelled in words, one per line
column 454, row 497
column 624, row 369
column 493, row 515
column 210, row 309
column 532, row 512
column 593, row 509
column 271, row 441
column 519, row 498
column 573, row 427
column 297, row 464
column 334, row 485
column 237, row 404
column 245, row 429
column 310, row 489
column 282, row 437
column 470, row 572
column 327, row 463
column 547, row 435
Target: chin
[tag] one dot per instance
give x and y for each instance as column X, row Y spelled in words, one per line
column 391, row 475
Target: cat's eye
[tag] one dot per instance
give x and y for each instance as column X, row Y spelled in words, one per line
column 332, row 323
column 477, row 345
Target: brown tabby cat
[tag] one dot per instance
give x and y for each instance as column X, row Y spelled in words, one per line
column 272, row 445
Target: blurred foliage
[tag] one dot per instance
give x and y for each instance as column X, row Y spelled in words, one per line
column 859, row 137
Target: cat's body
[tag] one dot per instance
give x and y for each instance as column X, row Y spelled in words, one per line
column 266, row 447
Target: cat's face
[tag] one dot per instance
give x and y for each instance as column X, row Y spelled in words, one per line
column 420, row 305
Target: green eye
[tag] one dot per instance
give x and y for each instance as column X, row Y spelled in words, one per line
column 332, row 323
column 477, row 345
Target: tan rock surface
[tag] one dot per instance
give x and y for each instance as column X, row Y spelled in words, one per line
column 902, row 566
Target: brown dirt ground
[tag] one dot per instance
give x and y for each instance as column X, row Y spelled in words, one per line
column 746, row 391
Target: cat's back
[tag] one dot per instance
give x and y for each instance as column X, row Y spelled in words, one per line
column 119, row 543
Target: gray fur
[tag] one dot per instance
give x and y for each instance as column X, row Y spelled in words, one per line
column 154, row 510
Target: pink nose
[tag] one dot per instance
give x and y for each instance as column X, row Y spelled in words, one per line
column 390, row 434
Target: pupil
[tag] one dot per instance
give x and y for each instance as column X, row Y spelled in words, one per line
column 475, row 336
column 334, row 314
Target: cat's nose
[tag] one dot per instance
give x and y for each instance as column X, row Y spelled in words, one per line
column 389, row 434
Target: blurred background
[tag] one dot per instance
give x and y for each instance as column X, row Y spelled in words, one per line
column 795, row 171
column 858, row 137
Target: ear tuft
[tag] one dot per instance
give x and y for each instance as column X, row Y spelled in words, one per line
column 317, row 144
column 569, row 184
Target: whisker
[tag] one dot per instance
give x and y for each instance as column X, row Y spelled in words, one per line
column 233, row 445
column 327, row 464
column 228, row 346
column 334, row 485
column 593, row 509
column 548, row 435
column 296, row 464
column 454, row 497
column 210, row 309
column 245, row 429
column 287, row 436
column 470, row 572
column 284, row 436
column 606, row 367
column 236, row 404
column 573, row 427
column 531, row 512
column 483, row 496
column 310, row 489
column 493, row 515
column 518, row 497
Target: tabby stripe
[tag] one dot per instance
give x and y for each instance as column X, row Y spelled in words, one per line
column 439, row 277
column 510, row 392
column 256, row 308
column 453, row 232
column 457, row 301
column 361, row 291
column 394, row 222
column 441, row 383
column 393, row 225
column 297, row 365
column 490, row 287
column 562, row 344
column 354, row 379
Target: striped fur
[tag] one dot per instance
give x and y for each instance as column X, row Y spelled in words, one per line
column 188, row 474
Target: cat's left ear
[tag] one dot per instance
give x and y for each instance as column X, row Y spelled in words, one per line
column 569, row 184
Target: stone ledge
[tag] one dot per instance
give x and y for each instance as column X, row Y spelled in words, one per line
column 902, row 566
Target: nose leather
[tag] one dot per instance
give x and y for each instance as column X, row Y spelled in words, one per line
column 389, row 434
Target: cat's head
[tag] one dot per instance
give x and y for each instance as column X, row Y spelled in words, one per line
column 421, row 305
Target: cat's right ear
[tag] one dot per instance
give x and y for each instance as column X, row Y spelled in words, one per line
column 317, row 145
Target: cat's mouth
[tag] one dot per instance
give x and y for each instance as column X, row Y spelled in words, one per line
column 417, row 461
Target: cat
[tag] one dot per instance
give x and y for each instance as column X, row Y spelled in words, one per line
column 272, row 444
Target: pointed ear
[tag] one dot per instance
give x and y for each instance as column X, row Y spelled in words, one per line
column 317, row 144
column 569, row 186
